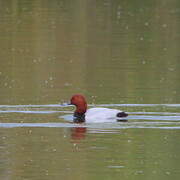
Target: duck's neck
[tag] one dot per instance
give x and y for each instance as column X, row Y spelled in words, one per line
column 79, row 114
column 81, row 108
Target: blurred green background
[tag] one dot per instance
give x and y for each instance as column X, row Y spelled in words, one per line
column 112, row 51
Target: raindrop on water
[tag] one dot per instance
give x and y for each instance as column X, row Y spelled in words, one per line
column 164, row 25
column 13, row 49
column 146, row 24
column 171, row 69
column 34, row 61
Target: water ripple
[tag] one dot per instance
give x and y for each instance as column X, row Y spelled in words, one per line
column 94, row 128
column 107, row 105
column 162, row 116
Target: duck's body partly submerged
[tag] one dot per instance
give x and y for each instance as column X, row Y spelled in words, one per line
column 103, row 115
column 94, row 114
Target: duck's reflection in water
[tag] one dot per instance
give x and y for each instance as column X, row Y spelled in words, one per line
column 78, row 133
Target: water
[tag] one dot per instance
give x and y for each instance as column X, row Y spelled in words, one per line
column 119, row 54
column 167, row 118
column 41, row 141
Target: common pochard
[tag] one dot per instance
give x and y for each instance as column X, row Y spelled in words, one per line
column 98, row 114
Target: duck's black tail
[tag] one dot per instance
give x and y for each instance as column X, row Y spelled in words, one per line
column 122, row 114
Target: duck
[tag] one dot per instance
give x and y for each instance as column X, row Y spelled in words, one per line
column 97, row 114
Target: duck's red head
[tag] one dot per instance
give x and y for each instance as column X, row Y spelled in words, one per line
column 80, row 102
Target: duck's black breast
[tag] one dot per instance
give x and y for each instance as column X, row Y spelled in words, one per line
column 79, row 117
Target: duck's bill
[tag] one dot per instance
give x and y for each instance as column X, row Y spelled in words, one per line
column 66, row 104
